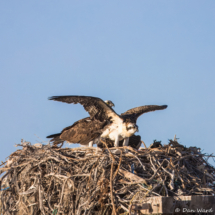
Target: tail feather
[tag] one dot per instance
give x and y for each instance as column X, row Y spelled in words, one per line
column 53, row 135
column 55, row 139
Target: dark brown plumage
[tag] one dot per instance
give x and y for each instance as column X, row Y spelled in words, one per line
column 82, row 131
column 96, row 107
column 138, row 111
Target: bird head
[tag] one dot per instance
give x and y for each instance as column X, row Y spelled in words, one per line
column 109, row 103
column 131, row 127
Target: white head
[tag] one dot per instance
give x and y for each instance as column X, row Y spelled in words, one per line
column 130, row 128
column 110, row 103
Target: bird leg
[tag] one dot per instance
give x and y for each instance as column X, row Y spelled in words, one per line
column 126, row 141
column 116, row 143
column 91, row 144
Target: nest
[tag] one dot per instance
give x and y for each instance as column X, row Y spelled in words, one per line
column 40, row 179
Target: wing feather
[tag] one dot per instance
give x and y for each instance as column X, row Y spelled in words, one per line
column 138, row 111
column 96, row 107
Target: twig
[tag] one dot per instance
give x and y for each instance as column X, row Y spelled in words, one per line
column 111, row 189
column 144, row 144
column 120, row 160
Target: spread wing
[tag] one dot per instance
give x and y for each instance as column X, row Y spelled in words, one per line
column 138, row 111
column 96, row 107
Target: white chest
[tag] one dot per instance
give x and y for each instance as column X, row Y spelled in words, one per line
column 116, row 130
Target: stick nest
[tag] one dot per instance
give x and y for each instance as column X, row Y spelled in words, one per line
column 40, row 179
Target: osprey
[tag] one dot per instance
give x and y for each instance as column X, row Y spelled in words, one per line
column 85, row 131
column 103, row 122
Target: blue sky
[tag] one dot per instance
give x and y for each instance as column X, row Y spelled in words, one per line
column 131, row 52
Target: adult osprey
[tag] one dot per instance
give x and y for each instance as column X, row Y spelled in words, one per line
column 85, row 131
column 103, row 122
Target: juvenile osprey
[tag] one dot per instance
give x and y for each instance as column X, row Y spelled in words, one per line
column 103, row 122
